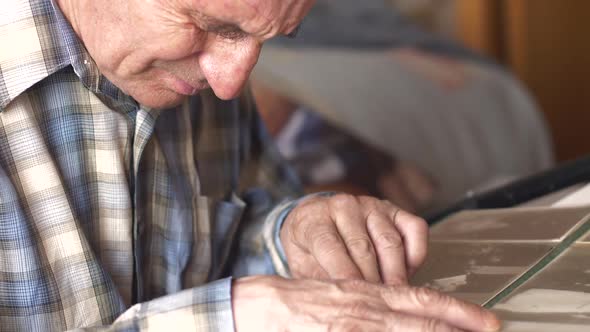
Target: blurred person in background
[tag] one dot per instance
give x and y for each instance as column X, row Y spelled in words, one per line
column 329, row 158
column 364, row 100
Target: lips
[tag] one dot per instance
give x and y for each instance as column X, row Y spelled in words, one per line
column 179, row 85
column 183, row 87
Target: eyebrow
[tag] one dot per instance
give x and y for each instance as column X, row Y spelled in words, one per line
column 225, row 30
column 232, row 31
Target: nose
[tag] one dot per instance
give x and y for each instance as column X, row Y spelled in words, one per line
column 227, row 66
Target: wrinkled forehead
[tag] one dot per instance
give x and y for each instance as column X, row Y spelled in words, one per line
column 261, row 18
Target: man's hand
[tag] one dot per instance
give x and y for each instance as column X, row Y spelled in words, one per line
column 349, row 237
column 276, row 304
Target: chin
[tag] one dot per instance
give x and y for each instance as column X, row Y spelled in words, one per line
column 160, row 99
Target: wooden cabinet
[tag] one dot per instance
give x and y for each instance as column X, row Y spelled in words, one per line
column 547, row 45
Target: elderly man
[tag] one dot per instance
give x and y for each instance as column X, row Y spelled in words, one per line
column 128, row 169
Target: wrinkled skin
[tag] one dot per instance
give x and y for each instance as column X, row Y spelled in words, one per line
column 159, row 51
column 354, row 237
column 275, row 304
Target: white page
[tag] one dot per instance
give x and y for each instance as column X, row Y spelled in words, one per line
column 580, row 197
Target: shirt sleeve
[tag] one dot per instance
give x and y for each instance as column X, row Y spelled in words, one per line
column 205, row 308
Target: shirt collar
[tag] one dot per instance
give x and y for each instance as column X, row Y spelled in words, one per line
column 46, row 43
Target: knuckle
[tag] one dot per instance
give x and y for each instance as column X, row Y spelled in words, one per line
column 354, row 286
column 389, row 240
column 394, row 214
column 425, row 297
column 301, row 230
column 361, row 248
column 325, row 242
column 296, row 224
column 393, row 295
column 386, row 202
column 358, row 309
column 373, row 214
column 386, row 205
column 370, row 202
column 343, row 201
column 434, row 325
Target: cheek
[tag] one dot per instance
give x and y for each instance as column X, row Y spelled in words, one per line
column 160, row 47
column 176, row 43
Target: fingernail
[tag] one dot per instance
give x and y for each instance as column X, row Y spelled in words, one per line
column 492, row 322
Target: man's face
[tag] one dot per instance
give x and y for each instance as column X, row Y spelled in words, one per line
column 160, row 51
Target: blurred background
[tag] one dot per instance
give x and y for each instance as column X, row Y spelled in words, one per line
column 545, row 43
column 425, row 101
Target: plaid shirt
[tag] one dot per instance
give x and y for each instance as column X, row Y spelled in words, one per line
column 114, row 216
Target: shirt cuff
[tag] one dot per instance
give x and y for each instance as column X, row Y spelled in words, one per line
column 272, row 231
column 205, row 308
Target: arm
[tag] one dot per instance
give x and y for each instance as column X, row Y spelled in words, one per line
column 326, row 236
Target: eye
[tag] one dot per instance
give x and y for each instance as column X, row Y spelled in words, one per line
column 234, row 35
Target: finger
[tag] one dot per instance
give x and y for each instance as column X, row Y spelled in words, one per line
column 351, row 225
column 431, row 304
column 398, row 322
column 414, row 232
column 330, row 252
column 389, row 247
